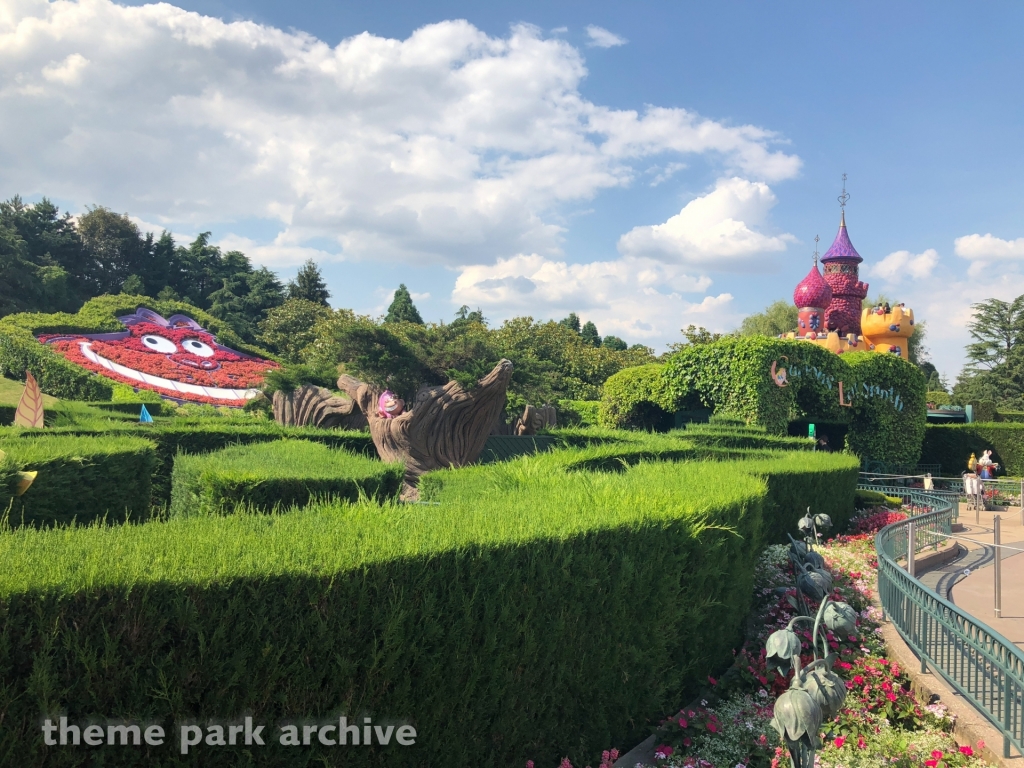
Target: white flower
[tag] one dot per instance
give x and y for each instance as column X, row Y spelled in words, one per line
column 763, row 693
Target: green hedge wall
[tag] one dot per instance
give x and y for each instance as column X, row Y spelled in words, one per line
column 632, row 399
column 172, row 438
column 952, row 444
column 733, row 376
column 19, row 350
column 578, row 413
column 276, row 475
column 532, row 613
column 80, row 479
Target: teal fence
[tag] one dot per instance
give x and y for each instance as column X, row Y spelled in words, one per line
column 982, row 665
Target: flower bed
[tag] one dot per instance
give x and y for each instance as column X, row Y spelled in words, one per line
column 881, row 723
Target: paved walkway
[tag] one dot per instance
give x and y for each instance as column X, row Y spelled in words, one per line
column 968, row 581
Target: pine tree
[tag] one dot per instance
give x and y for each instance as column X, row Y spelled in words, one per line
column 614, row 342
column 590, row 334
column 309, row 285
column 402, row 310
column 572, row 322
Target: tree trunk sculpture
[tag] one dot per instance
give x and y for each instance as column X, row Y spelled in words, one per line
column 315, row 406
column 447, row 426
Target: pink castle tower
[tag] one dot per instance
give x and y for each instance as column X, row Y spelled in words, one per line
column 843, row 276
column 812, row 298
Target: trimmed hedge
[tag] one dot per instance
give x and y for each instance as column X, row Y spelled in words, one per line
column 155, row 408
column 952, row 444
column 19, row 350
column 573, row 413
column 864, row 499
column 272, row 476
column 633, row 398
column 533, row 613
column 81, row 479
column 172, row 438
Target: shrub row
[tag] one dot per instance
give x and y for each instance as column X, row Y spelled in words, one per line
column 951, row 445
column 80, row 479
column 271, row 476
column 576, row 413
column 172, row 438
column 864, row 499
column 532, row 613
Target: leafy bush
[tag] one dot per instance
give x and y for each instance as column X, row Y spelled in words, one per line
column 864, row 499
column 573, row 413
column 80, row 478
column 938, row 397
column 633, row 399
column 155, row 408
column 275, row 475
column 533, row 612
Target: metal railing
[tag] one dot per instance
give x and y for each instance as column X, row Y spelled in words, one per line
column 981, row 664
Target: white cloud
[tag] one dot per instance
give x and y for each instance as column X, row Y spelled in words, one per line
column 602, row 38
column 988, row 247
column 67, row 72
column 666, row 173
column 715, row 230
column 450, row 146
column 279, row 253
column 899, row 264
column 631, row 297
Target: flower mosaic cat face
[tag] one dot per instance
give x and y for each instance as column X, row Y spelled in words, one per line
column 176, row 358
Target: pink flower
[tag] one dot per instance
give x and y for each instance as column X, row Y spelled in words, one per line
column 931, row 763
column 712, row 726
column 565, row 763
column 712, row 680
column 860, row 742
column 966, row 750
column 937, row 754
column 683, row 722
column 664, row 750
column 840, row 740
column 981, row 744
column 529, row 764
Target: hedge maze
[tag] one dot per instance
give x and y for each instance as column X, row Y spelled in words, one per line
column 582, row 591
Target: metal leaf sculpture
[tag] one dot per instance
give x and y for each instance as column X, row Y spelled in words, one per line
column 825, row 686
column 30, row 407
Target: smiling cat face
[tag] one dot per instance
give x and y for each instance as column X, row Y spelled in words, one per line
column 176, row 358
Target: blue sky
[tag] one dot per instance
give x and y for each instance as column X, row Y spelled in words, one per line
column 648, row 165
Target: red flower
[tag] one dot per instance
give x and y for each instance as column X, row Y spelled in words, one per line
column 712, row 680
column 966, row 750
column 840, row 740
column 860, row 742
column 937, row 754
column 931, row 763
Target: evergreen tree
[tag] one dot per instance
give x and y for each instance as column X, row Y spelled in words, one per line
column 614, row 342
column 590, row 334
column 133, row 286
column 402, row 310
column 572, row 322
column 309, row 285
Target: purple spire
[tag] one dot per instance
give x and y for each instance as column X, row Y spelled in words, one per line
column 842, row 248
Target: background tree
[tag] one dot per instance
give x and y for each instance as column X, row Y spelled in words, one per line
column 996, row 329
column 572, row 322
column 309, row 284
column 590, row 335
column 778, row 318
column 290, row 328
column 614, row 342
column 402, row 310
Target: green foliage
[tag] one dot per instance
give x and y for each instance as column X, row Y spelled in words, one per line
column 560, row 599
column 402, row 310
column 80, row 478
column 291, row 327
column 938, row 398
column 952, row 444
column 614, row 342
column 122, row 393
column 19, row 350
column 634, row 399
column 780, row 317
column 732, row 376
column 863, row 499
column 572, row 322
column 590, row 335
column 578, row 412
column 309, row 284
column 275, row 476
